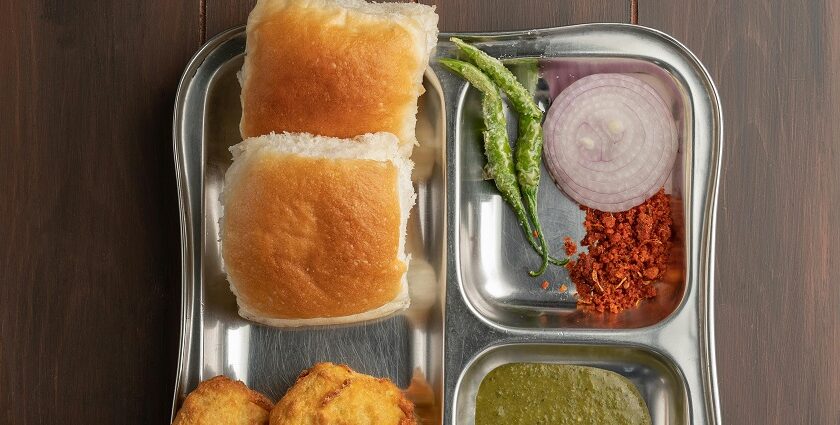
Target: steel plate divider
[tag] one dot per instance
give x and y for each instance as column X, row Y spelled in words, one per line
column 466, row 332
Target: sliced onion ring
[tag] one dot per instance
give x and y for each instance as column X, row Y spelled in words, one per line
column 610, row 141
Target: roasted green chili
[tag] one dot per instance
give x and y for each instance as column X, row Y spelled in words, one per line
column 527, row 164
column 529, row 144
column 521, row 99
column 496, row 144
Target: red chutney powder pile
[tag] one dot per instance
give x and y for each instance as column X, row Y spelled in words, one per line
column 569, row 246
column 627, row 251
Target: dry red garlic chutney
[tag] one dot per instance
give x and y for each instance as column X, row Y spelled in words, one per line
column 627, row 252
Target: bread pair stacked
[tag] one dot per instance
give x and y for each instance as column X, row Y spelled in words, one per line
column 317, row 198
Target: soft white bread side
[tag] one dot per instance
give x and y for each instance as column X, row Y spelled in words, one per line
column 337, row 68
column 313, row 229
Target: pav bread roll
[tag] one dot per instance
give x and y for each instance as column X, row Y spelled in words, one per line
column 313, row 228
column 336, row 68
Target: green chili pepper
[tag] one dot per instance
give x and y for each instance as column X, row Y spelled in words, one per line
column 496, row 145
column 527, row 164
column 521, row 99
column 529, row 144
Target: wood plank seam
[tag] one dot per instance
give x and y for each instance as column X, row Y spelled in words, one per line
column 202, row 21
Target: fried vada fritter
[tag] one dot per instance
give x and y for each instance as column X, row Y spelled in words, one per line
column 330, row 394
column 222, row 401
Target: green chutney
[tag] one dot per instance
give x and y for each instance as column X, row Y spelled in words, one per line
column 555, row 394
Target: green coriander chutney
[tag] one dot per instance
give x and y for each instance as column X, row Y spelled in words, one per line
column 555, row 394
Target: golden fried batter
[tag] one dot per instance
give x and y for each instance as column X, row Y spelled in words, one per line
column 330, row 394
column 222, row 401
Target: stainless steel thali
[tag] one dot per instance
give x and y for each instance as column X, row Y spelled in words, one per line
column 473, row 306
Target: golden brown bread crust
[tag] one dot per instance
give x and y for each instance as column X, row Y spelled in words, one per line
column 330, row 71
column 311, row 237
column 335, row 394
column 222, row 401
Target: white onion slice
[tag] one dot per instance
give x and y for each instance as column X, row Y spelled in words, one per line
column 610, row 141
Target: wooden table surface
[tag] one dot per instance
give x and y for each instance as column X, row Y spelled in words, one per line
column 89, row 240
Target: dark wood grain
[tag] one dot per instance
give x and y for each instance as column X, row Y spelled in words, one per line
column 483, row 15
column 778, row 322
column 89, row 255
column 89, row 241
column 467, row 15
